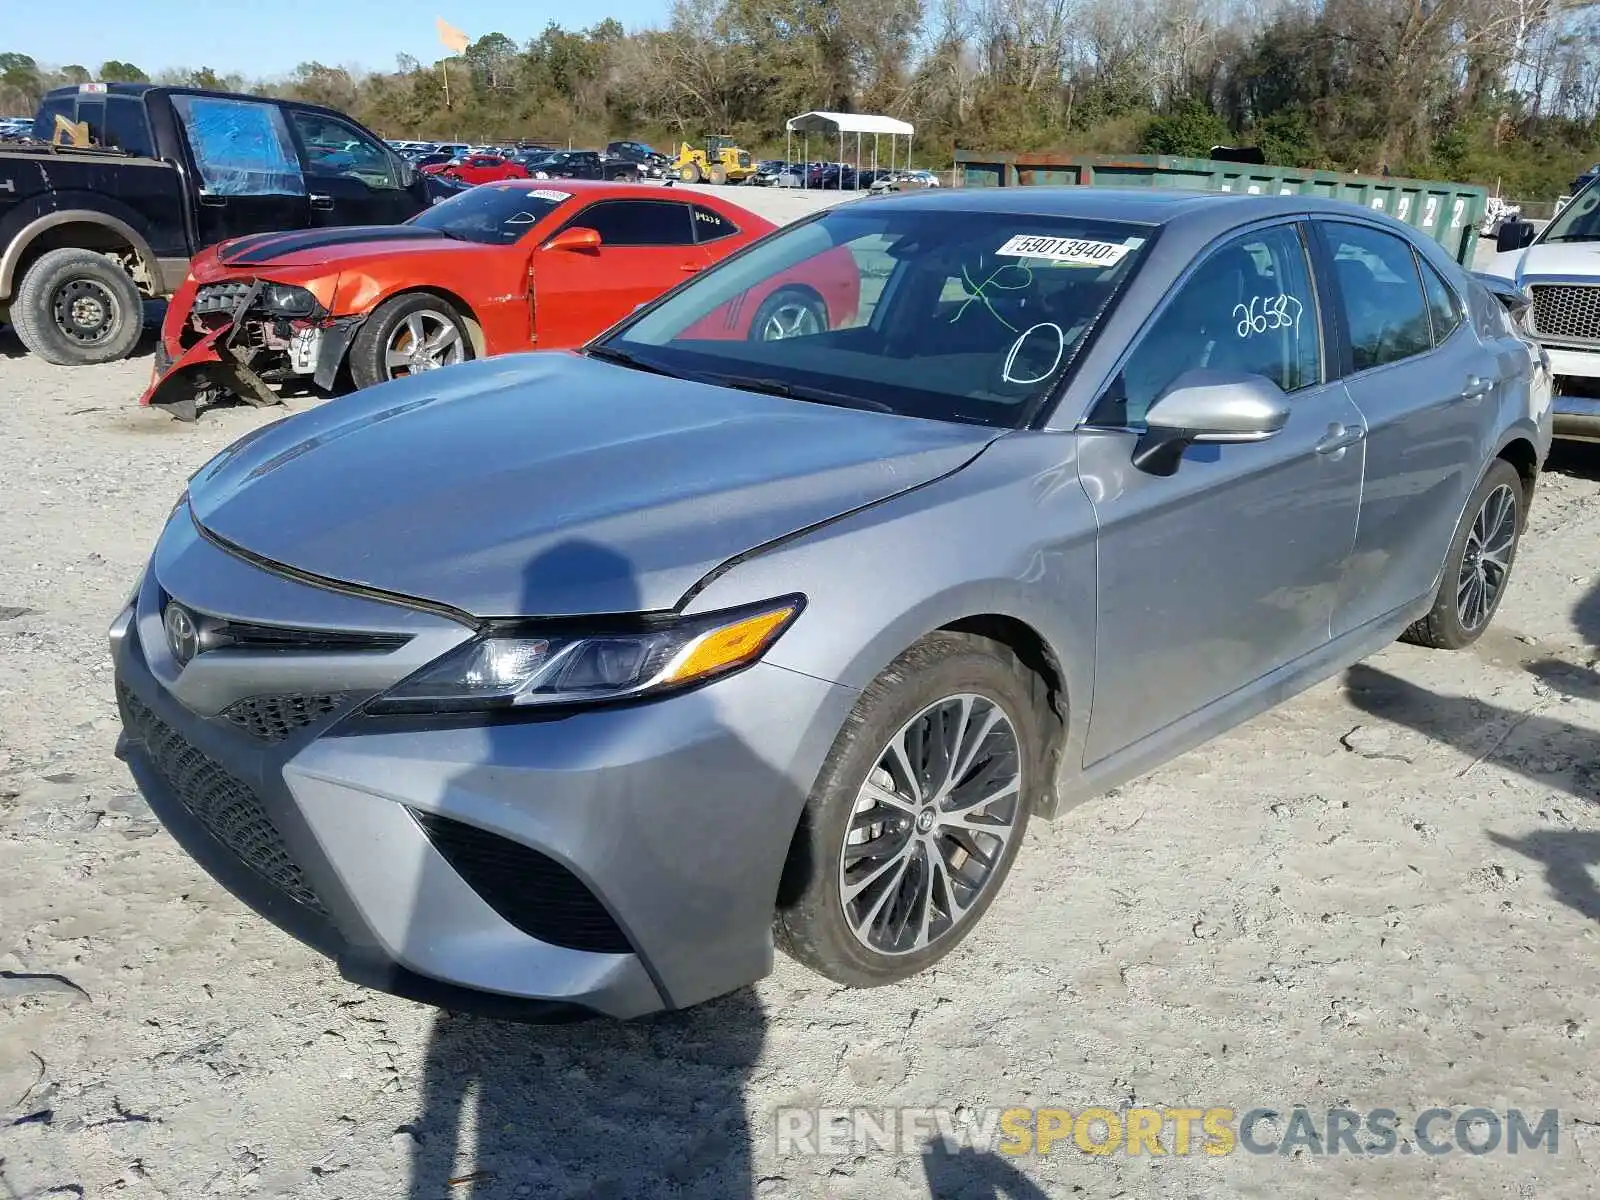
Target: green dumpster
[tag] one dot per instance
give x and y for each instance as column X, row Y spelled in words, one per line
column 1447, row 212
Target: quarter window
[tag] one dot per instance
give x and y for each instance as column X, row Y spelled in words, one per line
column 1385, row 309
column 711, row 226
column 638, row 223
column 1249, row 308
column 1444, row 306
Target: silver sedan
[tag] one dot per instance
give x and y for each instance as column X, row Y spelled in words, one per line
column 583, row 680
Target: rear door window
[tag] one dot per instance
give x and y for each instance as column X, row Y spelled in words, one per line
column 126, row 126
column 1385, row 309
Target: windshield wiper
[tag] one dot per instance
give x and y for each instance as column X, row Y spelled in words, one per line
column 1575, row 237
column 777, row 387
column 626, row 359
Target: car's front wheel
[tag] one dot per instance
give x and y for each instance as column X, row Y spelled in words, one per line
column 407, row 335
column 917, row 815
column 1478, row 565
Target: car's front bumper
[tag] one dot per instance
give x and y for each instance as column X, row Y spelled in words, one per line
column 643, row 844
column 1577, row 399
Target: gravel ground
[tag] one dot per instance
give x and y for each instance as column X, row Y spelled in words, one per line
column 1383, row 894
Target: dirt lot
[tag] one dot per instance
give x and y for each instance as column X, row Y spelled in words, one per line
column 1385, row 894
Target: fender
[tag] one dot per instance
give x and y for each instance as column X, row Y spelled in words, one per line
column 16, row 247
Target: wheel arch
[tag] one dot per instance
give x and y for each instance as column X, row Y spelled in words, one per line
column 1520, row 452
column 75, row 228
column 463, row 309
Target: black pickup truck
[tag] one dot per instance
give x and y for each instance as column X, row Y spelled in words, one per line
column 123, row 183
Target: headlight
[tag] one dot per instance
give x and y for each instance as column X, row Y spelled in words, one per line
column 284, row 300
column 500, row 672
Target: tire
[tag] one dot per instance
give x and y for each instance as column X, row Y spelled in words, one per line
column 75, row 308
column 789, row 312
column 691, row 173
column 938, row 674
column 1462, row 611
column 719, row 174
column 393, row 327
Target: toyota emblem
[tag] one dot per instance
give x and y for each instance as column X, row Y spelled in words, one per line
column 183, row 637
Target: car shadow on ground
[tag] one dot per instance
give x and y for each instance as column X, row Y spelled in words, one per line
column 602, row 1108
column 1578, row 459
column 1549, row 752
column 968, row 1174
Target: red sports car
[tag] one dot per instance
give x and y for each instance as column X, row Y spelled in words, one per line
column 503, row 267
column 480, row 168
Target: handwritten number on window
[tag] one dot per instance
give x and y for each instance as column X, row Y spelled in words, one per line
column 1267, row 313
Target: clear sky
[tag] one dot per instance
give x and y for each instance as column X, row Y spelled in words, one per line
column 260, row 38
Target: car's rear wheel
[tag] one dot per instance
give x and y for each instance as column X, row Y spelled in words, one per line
column 1478, row 566
column 408, row 335
column 789, row 312
column 76, row 308
column 918, row 813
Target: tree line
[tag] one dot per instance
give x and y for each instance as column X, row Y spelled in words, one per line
column 1499, row 92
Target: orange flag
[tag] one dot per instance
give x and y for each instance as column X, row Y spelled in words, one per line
column 452, row 38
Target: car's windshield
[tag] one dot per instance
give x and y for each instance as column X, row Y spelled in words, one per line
column 495, row 214
column 1579, row 221
column 941, row 313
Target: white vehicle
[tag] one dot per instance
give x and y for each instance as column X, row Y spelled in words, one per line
column 1558, row 269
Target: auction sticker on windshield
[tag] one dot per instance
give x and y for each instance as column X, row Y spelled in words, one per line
column 1076, row 251
column 551, row 194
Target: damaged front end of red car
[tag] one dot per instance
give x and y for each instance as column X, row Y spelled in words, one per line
column 243, row 340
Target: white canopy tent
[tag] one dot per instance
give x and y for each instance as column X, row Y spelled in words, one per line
column 841, row 125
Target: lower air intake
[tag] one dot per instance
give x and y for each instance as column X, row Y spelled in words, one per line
column 531, row 891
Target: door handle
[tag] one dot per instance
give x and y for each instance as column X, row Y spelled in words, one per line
column 1340, row 437
column 1477, row 388
column 322, row 202
column 690, row 267
column 213, row 201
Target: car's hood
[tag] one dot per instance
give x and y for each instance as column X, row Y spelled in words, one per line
column 341, row 244
column 1556, row 258
column 550, row 484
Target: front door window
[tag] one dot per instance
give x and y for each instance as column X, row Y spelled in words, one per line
column 240, row 147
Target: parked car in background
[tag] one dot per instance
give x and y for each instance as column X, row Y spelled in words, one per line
column 1558, row 269
column 502, row 267
column 484, row 168
column 88, row 233
column 652, row 163
column 584, row 164
column 767, row 172
column 631, row 662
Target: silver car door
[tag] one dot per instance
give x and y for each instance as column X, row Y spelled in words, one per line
column 1429, row 409
column 1218, row 574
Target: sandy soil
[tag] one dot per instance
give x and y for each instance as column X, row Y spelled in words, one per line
column 1381, row 895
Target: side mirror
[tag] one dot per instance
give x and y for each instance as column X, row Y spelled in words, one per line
column 576, row 238
column 1208, row 406
column 1514, row 235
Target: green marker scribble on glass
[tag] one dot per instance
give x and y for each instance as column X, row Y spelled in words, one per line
column 979, row 291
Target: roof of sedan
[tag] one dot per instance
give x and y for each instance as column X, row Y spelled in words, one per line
column 1154, row 206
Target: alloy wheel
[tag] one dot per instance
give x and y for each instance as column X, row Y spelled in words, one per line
column 931, row 825
column 425, row 341
column 794, row 318
column 1486, row 558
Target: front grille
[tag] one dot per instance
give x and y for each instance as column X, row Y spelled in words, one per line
column 1566, row 311
column 219, row 633
column 273, row 718
column 531, row 891
column 228, row 808
column 221, row 297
